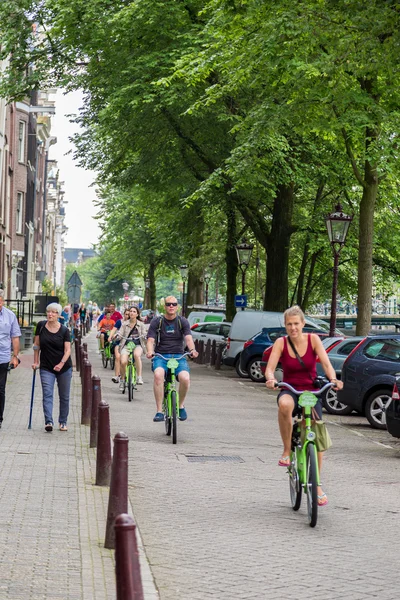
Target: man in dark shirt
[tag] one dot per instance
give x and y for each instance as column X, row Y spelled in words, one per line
column 170, row 339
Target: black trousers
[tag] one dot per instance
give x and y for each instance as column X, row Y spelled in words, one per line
column 3, row 381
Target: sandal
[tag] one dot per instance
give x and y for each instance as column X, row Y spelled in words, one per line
column 322, row 500
column 63, row 427
column 284, row 461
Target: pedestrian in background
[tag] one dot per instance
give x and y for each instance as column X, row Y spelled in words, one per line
column 82, row 313
column 52, row 353
column 10, row 333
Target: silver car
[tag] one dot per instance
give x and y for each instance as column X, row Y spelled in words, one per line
column 211, row 331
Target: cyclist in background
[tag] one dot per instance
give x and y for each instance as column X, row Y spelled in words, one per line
column 300, row 376
column 115, row 342
column 115, row 314
column 104, row 327
column 168, row 335
column 135, row 329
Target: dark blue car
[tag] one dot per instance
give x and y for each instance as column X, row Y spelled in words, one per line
column 368, row 376
column 251, row 355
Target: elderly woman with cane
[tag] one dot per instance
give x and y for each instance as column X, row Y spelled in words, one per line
column 52, row 346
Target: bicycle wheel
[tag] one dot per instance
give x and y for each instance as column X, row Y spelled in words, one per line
column 311, row 484
column 104, row 359
column 174, row 418
column 167, row 415
column 130, row 384
column 294, row 483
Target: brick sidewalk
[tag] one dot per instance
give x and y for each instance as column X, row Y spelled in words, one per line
column 52, row 517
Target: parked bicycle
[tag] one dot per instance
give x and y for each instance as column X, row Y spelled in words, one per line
column 171, row 396
column 303, row 468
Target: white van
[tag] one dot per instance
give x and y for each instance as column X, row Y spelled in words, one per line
column 198, row 316
column 247, row 323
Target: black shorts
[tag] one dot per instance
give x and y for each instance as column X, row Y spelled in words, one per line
column 318, row 406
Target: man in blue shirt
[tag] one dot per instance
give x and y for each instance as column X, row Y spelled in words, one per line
column 9, row 336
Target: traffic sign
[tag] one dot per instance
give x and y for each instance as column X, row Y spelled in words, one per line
column 74, row 280
column 241, row 300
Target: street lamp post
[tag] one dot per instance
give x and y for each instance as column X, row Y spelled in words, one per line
column 184, row 269
column 243, row 251
column 207, row 278
column 337, row 224
column 147, row 293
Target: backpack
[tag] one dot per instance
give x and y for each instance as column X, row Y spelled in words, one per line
column 160, row 322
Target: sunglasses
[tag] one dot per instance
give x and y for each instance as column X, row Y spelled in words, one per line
column 171, row 304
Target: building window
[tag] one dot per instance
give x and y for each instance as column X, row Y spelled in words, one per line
column 20, row 212
column 21, row 141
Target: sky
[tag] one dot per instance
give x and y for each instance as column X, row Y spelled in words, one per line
column 83, row 230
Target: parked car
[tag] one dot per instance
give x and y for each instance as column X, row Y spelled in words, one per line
column 338, row 352
column 368, row 375
column 201, row 316
column 252, row 353
column 393, row 411
column 248, row 323
column 211, row 331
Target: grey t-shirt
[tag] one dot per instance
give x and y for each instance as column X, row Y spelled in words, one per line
column 172, row 335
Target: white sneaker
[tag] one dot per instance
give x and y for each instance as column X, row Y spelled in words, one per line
column 139, row 381
column 115, row 379
column 121, row 385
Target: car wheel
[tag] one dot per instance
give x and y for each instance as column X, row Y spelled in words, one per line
column 375, row 408
column 254, row 370
column 239, row 371
column 332, row 404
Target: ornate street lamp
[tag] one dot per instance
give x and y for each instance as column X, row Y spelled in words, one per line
column 147, row 292
column 337, row 224
column 243, row 251
column 184, row 269
column 207, row 279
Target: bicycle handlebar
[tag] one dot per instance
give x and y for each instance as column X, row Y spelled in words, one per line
column 327, row 386
column 176, row 357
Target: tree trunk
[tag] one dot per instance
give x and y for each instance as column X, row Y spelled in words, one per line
column 152, row 288
column 366, row 234
column 278, row 247
column 231, row 261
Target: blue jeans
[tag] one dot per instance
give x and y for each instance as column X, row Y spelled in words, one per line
column 48, row 379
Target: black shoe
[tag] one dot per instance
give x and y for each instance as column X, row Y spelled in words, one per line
column 49, row 427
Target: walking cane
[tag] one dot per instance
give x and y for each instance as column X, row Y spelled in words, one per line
column 32, row 395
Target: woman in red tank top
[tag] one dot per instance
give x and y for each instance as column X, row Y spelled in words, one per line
column 309, row 347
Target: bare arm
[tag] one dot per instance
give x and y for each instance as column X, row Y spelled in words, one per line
column 324, row 360
column 66, row 355
column 190, row 344
column 151, row 342
column 15, row 347
column 275, row 355
column 36, row 352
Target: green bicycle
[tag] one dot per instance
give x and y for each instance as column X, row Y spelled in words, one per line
column 303, row 469
column 171, row 397
column 107, row 356
column 130, row 374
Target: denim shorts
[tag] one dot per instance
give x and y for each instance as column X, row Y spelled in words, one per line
column 318, row 406
column 160, row 362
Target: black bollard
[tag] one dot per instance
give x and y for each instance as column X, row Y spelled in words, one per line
column 96, row 399
column 200, row 358
column 207, row 352
column 103, row 455
column 218, row 359
column 85, row 348
column 77, row 356
column 86, row 393
column 118, row 498
column 213, row 353
column 127, row 566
